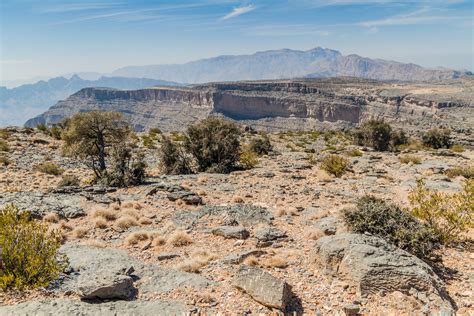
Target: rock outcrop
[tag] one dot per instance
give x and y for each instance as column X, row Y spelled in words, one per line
column 375, row 266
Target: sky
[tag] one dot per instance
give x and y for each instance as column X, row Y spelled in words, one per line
column 41, row 38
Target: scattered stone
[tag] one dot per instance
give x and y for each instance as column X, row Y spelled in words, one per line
column 167, row 256
column 328, row 225
column 236, row 232
column 351, row 309
column 240, row 257
column 118, row 287
column 269, row 234
column 263, row 287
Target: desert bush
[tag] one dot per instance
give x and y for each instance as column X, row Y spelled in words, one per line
column 173, row 158
column 4, row 160
column 68, row 181
column 374, row 133
column 447, row 215
column 335, row 165
column 437, row 138
column 215, row 144
column 49, row 168
column 398, row 138
column 248, row 159
column 55, row 132
column 42, row 128
column 261, row 145
column 410, row 158
column 467, row 172
column 148, row 142
column 4, row 146
column 154, row 132
column 180, row 239
column 104, row 140
column 390, row 222
column 5, row 134
column 456, row 148
column 354, row 153
column 29, row 252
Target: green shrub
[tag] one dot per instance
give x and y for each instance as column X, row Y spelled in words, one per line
column 467, row 172
column 437, row 138
column 4, row 146
column 248, row 159
column 29, row 252
column 448, row 215
column 354, row 153
column 48, row 168
column 374, row 133
column 390, row 222
column 148, row 142
column 261, row 146
column 215, row 144
column 126, row 168
column 335, row 165
column 68, row 181
column 398, row 138
column 154, row 132
column 410, row 158
column 173, row 158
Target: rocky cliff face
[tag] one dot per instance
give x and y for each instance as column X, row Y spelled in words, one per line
column 279, row 105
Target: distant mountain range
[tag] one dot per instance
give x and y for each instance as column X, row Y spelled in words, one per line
column 284, row 64
column 19, row 104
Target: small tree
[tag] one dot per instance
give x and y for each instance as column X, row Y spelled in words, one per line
column 437, row 138
column 104, row 140
column 261, row 145
column 374, row 133
column 173, row 158
column 214, row 143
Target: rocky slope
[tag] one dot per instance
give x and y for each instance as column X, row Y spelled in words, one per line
column 282, row 105
column 260, row 241
column 20, row 103
column 286, row 63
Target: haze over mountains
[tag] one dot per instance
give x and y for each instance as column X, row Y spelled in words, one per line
column 285, row 64
column 23, row 102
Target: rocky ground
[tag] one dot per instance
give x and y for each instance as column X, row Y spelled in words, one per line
column 256, row 241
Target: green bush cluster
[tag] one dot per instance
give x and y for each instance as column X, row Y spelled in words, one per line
column 390, row 222
column 212, row 145
column 437, row 138
column 335, row 165
column 379, row 135
column 29, row 252
column 261, row 146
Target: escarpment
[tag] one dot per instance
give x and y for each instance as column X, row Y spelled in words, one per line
column 281, row 104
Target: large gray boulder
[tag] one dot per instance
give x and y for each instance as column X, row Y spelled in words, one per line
column 374, row 266
column 60, row 307
column 263, row 287
column 227, row 232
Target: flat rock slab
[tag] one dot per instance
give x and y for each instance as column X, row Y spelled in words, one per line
column 263, row 287
column 374, row 265
column 269, row 234
column 64, row 307
column 40, row 204
column 246, row 215
column 236, row 232
column 95, row 270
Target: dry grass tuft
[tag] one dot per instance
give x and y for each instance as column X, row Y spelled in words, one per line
column 135, row 237
column 126, row 221
column 145, row 221
column 276, row 262
column 65, row 226
column 100, row 222
column 127, row 205
column 323, row 176
column 316, row 234
column 51, row 218
column 107, row 214
column 79, row 232
column 251, row 261
column 131, row 212
column 94, row 243
column 238, row 199
column 196, row 261
column 180, row 239
column 158, row 241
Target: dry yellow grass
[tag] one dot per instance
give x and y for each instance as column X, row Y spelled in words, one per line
column 79, row 232
column 51, row 218
column 180, row 239
column 131, row 212
column 127, row 205
column 251, row 261
column 158, row 241
column 315, row 234
column 94, row 243
column 135, row 237
column 65, row 226
column 126, row 221
column 323, row 176
column 145, row 221
column 100, row 222
column 276, row 262
column 202, row 179
column 107, row 214
column 237, row 199
column 196, row 261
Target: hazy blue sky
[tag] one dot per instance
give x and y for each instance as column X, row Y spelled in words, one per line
column 49, row 37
